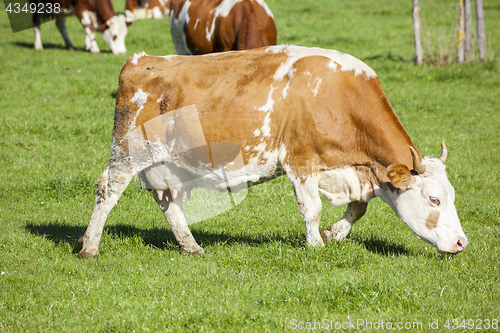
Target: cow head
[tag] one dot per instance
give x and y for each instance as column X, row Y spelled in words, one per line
column 424, row 199
column 115, row 33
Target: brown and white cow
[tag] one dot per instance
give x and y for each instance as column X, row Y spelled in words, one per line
column 94, row 15
column 206, row 26
column 146, row 9
column 319, row 116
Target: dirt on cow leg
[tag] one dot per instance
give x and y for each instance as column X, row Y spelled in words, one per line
column 193, row 250
column 335, row 233
column 171, row 206
column 87, row 255
column 84, row 252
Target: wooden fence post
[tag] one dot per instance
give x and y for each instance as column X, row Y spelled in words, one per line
column 468, row 31
column 481, row 36
column 416, row 32
column 461, row 31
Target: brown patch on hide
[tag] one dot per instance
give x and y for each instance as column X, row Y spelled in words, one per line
column 102, row 184
column 432, row 220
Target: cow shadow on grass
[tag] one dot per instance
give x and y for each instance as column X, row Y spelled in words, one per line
column 58, row 233
column 381, row 247
column 52, row 46
column 46, row 46
column 159, row 238
column 163, row 238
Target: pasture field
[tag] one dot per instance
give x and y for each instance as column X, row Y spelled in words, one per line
column 56, row 117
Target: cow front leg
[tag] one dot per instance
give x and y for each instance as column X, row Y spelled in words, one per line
column 90, row 43
column 61, row 25
column 338, row 231
column 172, row 209
column 110, row 186
column 309, row 202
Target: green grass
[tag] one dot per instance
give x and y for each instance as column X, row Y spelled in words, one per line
column 56, row 116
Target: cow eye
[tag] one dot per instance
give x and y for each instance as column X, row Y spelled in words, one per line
column 435, row 201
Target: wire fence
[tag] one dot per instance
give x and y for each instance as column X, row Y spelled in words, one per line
column 439, row 32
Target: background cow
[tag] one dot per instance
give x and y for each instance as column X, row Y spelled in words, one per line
column 206, row 26
column 319, row 116
column 146, row 9
column 94, row 15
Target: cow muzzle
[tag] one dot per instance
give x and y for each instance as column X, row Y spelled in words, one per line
column 458, row 247
column 120, row 52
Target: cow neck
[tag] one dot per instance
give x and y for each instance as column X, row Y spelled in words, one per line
column 388, row 142
column 105, row 10
column 390, row 146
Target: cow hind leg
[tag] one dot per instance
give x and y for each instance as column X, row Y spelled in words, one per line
column 61, row 25
column 172, row 209
column 338, row 231
column 310, row 207
column 110, row 186
column 38, row 36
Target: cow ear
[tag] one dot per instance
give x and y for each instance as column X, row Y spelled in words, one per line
column 400, row 176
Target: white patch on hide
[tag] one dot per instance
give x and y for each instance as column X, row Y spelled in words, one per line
column 317, row 83
column 340, row 186
column 86, row 21
column 157, row 14
column 136, row 57
column 268, row 107
column 169, row 57
column 140, row 98
column 339, row 61
column 266, row 128
column 222, row 10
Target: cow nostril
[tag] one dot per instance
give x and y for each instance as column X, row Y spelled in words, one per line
column 461, row 244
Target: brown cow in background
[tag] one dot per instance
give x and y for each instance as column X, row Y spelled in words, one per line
column 146, row 9
column 94, row 15
column 206, row 26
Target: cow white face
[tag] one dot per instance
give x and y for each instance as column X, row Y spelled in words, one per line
column 425, row 203
column 115, row 34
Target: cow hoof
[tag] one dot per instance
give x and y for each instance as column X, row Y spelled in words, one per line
column 195, row 251
column 87, row 255
column 334, row 233
column 327, row 234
